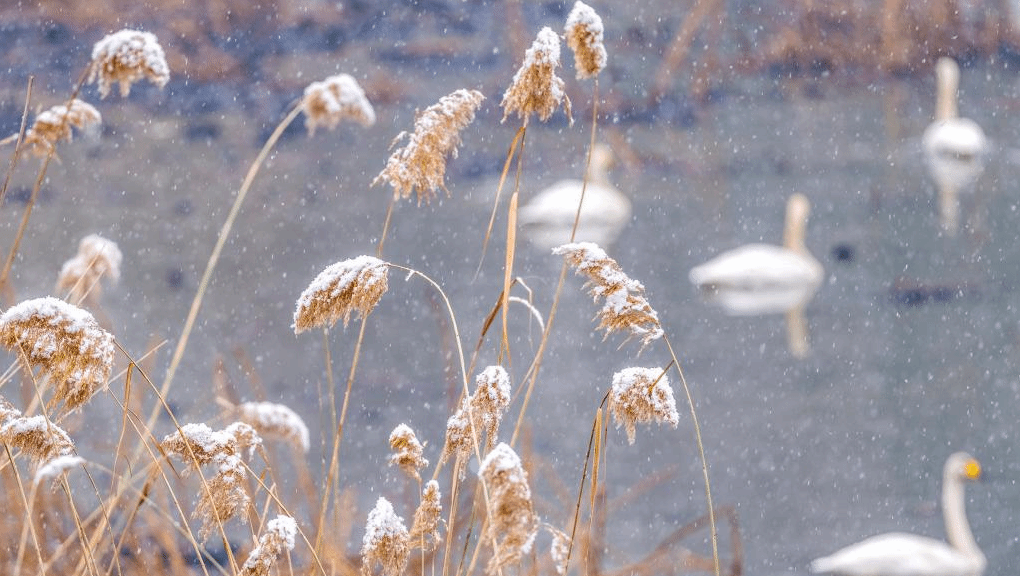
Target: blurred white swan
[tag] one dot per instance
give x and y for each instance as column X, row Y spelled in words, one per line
column 548, row 218
column 954, row 147
column 901, row 554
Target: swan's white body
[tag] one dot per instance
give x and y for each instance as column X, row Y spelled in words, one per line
column 954, row 147
column 762, row 278
column 901, row 554
column 548, row 218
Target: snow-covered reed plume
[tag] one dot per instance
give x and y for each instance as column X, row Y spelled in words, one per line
column 420, row 165
column 425, row 527
column 535, row 87
column 277, row 537
column 57, row 466
column 333, row 100
column 625, row 307
column 341, row 289
column 38, row 438
column 584, row 36
column 276, row 421
column 97, row 258
column 126, row 57
column 487, row 405
column 642, row 395
column 386, row 541
column 54, row 125
column 64, row 342
column 407, row 451
column 512, row 521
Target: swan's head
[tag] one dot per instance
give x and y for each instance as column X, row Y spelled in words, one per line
column 602, row 157
column 798, row 208
column 963, row 466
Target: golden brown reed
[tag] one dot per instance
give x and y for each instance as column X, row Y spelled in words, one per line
column 341, row 289
column 584, row 33
column 54, row 125
column 126, row 57
column 64, row 342
column 197, row 445
column 97, row 258
column 37, row 437
column 536, row 89
column 512, row 521
column 407, row 451
column 487, row 406
column 420, row 166
column 625, row 307
column 333, row 100
column 425, row 527
column 559, row 551
column 276, row 421
column 386, row 541
column 277, row 537
column 641, row 395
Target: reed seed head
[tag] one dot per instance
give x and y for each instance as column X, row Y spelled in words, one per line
column 276, row 421
column 64, row 342
column 584, row 36
column 425, row 528
column 42, row 440
column 536, row 88
column 386, row 541
column 407, row 451
column 341, row 289
column 560, row 549
column 126, row 57
column 625, row 307
column 421, row 164
column 97, row 258
column 642, row 395
column 277, row 537
column 333, row 100
column 54, row 125
column 486, row 405
column 512, row 522
column 56, row 467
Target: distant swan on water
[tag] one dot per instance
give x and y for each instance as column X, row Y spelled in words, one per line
column 548, row 218
column 954, row 147
column 902, row 554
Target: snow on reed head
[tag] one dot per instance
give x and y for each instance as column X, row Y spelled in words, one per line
column 339, row 290
column 584, row 36
column 425, row 528
column 487, row 405
column 333, row 100
column 97, row 258
column 226, row 496
column 126, row 57
column 642, row 395
column 40, row 439
column 407, row 451
column 386, row 541
column 625, row 307
column 559, row 551
column 54, row 125
column 536, row 88
column 421, row 164
column 57, row 466
column 64, row 342
column 276, row 421
column 277, row 537
column 512, row 522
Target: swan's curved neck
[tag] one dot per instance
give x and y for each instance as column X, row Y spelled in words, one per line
column 957, row 528
column 947, row 76
column 795, row 228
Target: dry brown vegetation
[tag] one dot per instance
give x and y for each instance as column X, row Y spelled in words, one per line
column 162, row 500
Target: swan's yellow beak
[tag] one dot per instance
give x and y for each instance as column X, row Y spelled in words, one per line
column 972, row 470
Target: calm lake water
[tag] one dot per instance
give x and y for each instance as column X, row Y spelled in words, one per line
column 915, row 341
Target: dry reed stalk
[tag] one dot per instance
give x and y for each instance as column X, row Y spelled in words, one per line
column 386, row 541
column 407, row 451
column 535, row 87
column 341, row 289
column 272, row 420
column 333, row 100
column 420, row 165
column 19, row 139
column 97, row 258
column 277, row 537
column 584, row 33
column 64, row 342
column 425, row 527
column 126, row 57
column 512, row 521
column 54, row 125
column 625, row 307
column 641, row 395
column 41, row 440
column 224, row 495
column 480, row 411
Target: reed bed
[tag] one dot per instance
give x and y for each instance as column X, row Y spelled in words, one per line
column 180, row 497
